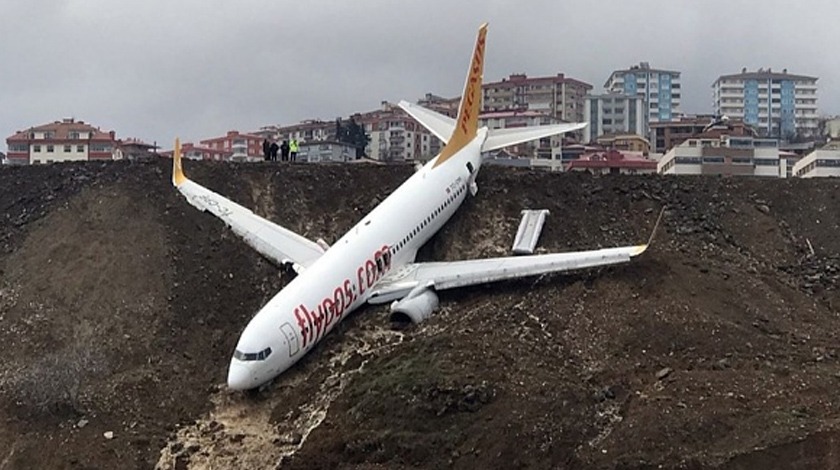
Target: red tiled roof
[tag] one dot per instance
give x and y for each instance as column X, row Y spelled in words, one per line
column 612, row 159
column 62, row 130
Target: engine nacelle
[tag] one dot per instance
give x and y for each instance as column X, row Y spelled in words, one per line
column 417, row 306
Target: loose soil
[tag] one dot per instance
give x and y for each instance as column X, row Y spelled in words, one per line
column 120, row 305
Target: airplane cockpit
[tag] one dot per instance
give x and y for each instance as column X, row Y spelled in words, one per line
column 247, row 357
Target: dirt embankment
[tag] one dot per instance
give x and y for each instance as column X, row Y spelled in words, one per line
column 120, row 304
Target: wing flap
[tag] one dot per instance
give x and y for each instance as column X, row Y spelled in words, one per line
column 276, row 243
column 438, row 124
column 501, row 138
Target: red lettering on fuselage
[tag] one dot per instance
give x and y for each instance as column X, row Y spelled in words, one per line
column 302, row 325
column 316, row 323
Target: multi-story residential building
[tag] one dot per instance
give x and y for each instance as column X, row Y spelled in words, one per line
column 134, row 149
column 625, row 142
column 612, row 162
column 395, row 136
column 191, row 151
column 660, row 90
column 726, row 155
column 306, row 131
column 667, row 134
column 559, row 96
column 779, row 105
column 326, row 151
column 445, row 106
column 614, row 113
column 236, row 146
column 61, row 141
column 538, row 149
column 820, row 162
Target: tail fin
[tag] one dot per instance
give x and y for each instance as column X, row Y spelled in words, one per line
column 467, row 122
column 178, row 176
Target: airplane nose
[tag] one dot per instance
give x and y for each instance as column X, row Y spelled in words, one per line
column 239, row 377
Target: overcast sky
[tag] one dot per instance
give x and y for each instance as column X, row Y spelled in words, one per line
column 156, row 69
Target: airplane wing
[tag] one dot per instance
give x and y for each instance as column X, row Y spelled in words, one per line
column 438, row 124
column 276, row 243
column 501, row 138
column 451, row 274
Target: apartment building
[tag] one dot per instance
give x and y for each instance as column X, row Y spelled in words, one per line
column 726, row 155
column 326, row 151
column 395, row 136
column 538, row 149
column 612, row 162
column 614, row 113
column 236, row 146
column 660, row 90
column 666, row 134
column 558, row 96
column 778, row 104
column 61, row 141
column 819, row 163
column 305, row 131
column 625, row 142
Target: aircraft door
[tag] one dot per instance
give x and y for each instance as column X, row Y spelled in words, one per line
column 291, row 338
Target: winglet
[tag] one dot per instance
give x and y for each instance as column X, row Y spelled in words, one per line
column 641, row 248
column 178, row 176
column 467, row 121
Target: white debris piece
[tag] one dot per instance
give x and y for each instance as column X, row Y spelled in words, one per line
column 529, row 231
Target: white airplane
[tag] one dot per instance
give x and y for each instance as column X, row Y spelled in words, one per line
column 374, row 261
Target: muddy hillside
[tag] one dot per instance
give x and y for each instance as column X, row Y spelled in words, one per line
column 120, row 305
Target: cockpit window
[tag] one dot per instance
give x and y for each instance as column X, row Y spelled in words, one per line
column 260, row 356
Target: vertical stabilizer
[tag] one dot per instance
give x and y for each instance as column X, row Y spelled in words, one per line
column 178, row 176
column 467, row 122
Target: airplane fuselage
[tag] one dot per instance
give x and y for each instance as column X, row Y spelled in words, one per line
column 345, row 276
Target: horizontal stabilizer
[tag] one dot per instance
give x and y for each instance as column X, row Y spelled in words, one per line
column 501, row 138
column 438, row 124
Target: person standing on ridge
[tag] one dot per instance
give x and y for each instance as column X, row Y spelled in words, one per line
column 284, row 151
column 266, row 146
column 293, row 150
column 273, row 151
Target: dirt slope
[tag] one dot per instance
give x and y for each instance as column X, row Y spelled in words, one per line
column 120, row 304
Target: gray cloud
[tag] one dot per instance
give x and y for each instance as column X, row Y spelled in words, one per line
column 155, row 69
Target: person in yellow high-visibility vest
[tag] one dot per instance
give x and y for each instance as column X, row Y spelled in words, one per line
column 293, row 150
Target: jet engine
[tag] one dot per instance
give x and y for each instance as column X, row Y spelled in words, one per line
column 417, row 306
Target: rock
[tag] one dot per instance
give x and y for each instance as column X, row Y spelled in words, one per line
column 763, row 208
column 722, row 364
column 108, row 435
column 82, row 423
column 663, row 373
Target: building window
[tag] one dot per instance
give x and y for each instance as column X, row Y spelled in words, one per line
column 36, row 148
column 80, row 148
column 68, row 148
column 50, row 148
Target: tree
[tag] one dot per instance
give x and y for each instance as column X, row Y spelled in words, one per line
column 354, row 134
